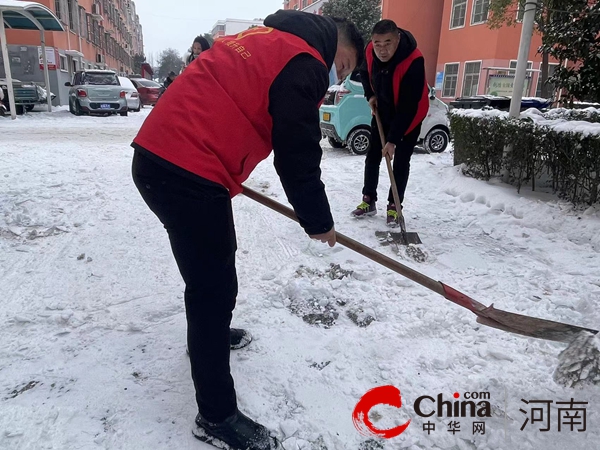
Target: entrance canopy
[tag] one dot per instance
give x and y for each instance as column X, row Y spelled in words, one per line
column 20, row 15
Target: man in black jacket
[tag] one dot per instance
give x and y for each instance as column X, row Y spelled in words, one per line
column 394, row 81
column 249, row 94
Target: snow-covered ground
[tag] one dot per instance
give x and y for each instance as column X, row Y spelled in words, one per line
column 92, row 326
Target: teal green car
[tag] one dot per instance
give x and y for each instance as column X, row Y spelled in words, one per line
column 345, row 119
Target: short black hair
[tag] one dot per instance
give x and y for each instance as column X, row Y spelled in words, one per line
column 204, row 44
column 350, row 35
column 384, row 27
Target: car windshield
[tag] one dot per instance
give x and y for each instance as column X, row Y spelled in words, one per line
column 147, row 83
column 126, row 82
column 101, row 79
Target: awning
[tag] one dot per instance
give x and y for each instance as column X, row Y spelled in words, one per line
column 74, row 53
column 14, row 17
column 20, row 15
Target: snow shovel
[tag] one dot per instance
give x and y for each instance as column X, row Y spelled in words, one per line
column 486, row 315
column 388, row 237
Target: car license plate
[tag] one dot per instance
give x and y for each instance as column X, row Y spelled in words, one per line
column 105, row 106
column 327, row 117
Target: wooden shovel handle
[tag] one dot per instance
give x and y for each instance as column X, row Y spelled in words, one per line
column 490, row 316
column 436, row 286
column 388, row 162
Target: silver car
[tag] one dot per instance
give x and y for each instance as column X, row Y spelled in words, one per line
column 96, row 92
column 131, row 94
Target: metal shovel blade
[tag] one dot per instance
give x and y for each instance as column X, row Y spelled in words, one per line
column 398, row 237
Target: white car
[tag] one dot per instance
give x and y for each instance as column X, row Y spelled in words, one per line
column 2, row 107
column 346, row 119
column 131, row 94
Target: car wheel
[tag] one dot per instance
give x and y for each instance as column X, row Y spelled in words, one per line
column 29, row 108
column 359, row 141
column 335, row 143
column 71, row 109
column 77, row 108
column 436, row 140
column 124, row 114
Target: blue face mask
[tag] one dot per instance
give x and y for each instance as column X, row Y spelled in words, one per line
column 333, row 79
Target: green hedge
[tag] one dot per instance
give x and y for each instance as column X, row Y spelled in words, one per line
column 566, row 161
column 587, row 115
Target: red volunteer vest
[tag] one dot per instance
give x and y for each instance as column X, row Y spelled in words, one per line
column 399, row 72
column 214, row 119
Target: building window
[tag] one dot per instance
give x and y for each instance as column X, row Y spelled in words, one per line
column 58, row 9
column 70, row 11
column 471, row 81
column 304, row 3
column 63, row 63
column 513, row 65
column 459, row 12
column 83, row 22
column 450, row 80
column 551, row 69
column 480, row 11
column 520, row 12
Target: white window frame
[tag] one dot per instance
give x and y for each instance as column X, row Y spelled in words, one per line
column 519, row 11
column 473, row 13
column 513, row 71
column 62, row 63
column 444, row 80
column 452, row 16
column 539, row 78
column 465, row 76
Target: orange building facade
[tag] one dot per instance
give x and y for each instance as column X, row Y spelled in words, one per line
column 463, row 56
column 100, row 34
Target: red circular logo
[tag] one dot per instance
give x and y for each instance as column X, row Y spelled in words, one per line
column 382, row 395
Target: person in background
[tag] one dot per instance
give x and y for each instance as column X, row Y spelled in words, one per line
column 170, row 78
column 199, row 45
column 395, row 86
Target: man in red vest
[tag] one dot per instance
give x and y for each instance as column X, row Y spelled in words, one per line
column 250, row 94
column 395, row 85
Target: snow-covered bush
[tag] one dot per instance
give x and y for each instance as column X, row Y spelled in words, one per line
column 565, row 154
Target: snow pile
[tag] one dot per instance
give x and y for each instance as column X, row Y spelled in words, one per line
column 579, row 363
column 540, row 119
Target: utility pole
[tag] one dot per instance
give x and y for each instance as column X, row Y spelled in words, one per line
column 521, row 73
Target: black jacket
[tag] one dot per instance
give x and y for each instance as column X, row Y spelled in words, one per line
column 294, row 100
column 396, row 118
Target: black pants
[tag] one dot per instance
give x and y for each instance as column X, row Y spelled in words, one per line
column 401, row 162
column 199, row 221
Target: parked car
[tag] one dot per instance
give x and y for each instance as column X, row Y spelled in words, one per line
column 131, row 94
column 498, row 102
column 346, row 119
column 2, row 107
column 149, row 90
column 96, row 92
column 42, row 95
column 26, row 95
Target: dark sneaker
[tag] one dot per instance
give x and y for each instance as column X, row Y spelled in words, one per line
column 237, row 432
column 366, row 208
column 238, row 338
column 393, row 220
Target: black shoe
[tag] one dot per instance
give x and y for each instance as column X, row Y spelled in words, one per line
column 237, row 432
column 238, row 338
